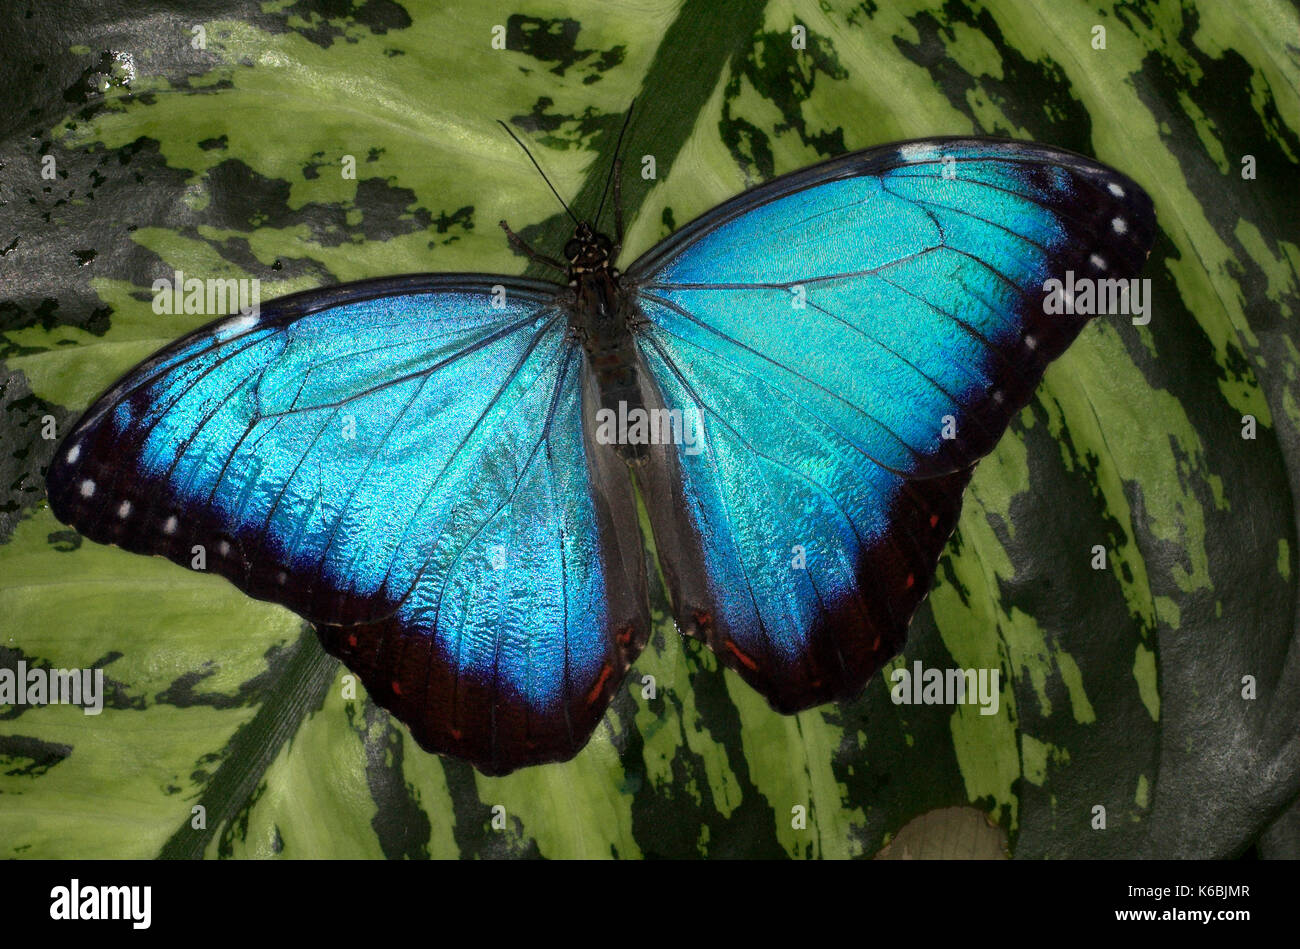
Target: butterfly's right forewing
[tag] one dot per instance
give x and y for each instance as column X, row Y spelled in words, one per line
column 852, row 338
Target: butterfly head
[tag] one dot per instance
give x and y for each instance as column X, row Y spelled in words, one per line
column 588, row 250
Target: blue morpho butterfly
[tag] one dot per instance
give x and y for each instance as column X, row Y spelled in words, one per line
column 437, row 470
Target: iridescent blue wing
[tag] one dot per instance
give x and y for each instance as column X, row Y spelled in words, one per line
column 854, row 337
column 403, row 463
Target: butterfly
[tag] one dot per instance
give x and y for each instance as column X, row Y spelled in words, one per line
column 441, row 472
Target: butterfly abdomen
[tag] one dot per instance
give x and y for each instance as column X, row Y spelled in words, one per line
column 600, row 321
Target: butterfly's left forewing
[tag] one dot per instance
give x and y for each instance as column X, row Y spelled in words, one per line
column 404, row 463
column 852, row 338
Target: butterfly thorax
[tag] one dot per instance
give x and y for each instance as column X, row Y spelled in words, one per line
column 599, row 320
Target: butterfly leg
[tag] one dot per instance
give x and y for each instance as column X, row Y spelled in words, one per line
column 618, row 207
column 519, row 244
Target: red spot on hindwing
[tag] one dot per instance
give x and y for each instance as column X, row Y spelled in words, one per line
column 599, row 687
column 745, row 660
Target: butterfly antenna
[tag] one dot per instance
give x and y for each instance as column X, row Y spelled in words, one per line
column 539, row 169
column 614, row 162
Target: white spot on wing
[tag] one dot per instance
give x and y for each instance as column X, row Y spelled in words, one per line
column 87, row 488
column 240, row 323
column 1097, row 262
column 170, row 526
column 1119, row 225
column 1115, row 189
column 233, row 327
column 74, row 453
column 124, row 509
column 917, row 152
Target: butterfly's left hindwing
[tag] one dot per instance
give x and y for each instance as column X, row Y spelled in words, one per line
column 405, row 465
column 851, row 339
